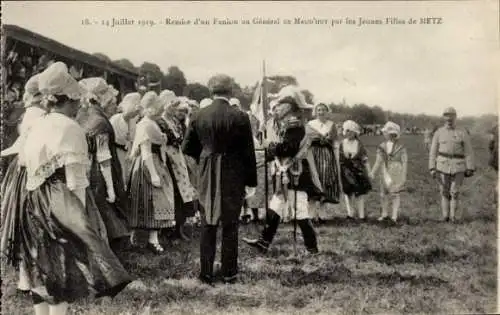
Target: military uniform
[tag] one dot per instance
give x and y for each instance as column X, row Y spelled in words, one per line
column 292, row 184
column 451, row 159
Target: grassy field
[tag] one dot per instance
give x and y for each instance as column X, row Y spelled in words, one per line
column 419, row 266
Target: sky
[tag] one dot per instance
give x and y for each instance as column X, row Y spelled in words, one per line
column 413, row 68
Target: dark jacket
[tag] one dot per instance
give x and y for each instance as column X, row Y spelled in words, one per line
column 220, row 139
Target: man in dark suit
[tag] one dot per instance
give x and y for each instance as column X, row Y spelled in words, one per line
column 220, row 140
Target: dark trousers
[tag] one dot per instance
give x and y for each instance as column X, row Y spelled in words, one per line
column 229, row 251
column 272, row 223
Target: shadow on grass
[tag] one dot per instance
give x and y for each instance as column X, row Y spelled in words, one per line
column 403, row 220
column 399, row 257
column 340, row 274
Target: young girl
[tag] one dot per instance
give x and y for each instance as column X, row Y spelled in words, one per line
column 151, row 193
column 124, row 126
column 323, row 137
column 392, row 159
column 105, row 174
column 354, row 169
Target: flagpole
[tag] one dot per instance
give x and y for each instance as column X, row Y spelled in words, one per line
column 264, row 107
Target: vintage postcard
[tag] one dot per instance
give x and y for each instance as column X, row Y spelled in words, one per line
column 241, row 157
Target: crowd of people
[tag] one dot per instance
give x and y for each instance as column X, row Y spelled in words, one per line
column 88, row 173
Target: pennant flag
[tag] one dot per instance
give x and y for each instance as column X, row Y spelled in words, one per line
column 257, row 105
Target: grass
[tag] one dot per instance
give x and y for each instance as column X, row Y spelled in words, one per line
column 419, row 266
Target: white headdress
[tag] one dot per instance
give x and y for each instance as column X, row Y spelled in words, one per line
column 150, row 102
column 32, row 94
column 392, row 128
column 183, row 102
column 167, row 98
column 56, row 80
column 98, row 90
column 321, row 105
column 130, row 102
column 350, row 125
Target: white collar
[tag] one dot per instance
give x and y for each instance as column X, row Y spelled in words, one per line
column 221, row 98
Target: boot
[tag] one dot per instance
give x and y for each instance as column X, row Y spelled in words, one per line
column 453, row 207
column 179, row 231
column 270, row 229
column 255, row 213
column 445, row 208
column 309, row 235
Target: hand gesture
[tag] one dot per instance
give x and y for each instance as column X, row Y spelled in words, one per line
column 250, row 191
column 469, row 173
column 164, row 138
column 111, row 196
column 155, row 180
column 433, row 172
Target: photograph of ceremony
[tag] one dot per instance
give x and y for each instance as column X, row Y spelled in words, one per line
column 249, row 157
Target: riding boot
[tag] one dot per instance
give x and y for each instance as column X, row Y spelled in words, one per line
column 453, row 206
column 270, row 229
column 309, row 235
column 255, row 213
column 445, row 207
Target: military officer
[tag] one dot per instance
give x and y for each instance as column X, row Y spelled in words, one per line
column 450, row 160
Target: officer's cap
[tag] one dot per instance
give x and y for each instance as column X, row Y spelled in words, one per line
column 450, row 111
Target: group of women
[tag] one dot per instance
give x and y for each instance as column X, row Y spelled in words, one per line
column 344, row 170
column 88, row 173
column 84, row 178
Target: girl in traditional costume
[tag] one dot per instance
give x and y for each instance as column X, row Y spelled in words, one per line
column 124, row 124
column 172, row 124
column 194, row 107
column 13, row 189
column 392, row 160
column 66, row 259
column 323, row 133
column 106, row 180
column 354, row 169
column 150, row 191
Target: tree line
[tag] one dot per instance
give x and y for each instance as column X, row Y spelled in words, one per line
column 175, row 80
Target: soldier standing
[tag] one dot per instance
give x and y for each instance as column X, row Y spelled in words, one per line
column 450, row 160
column 292, row 179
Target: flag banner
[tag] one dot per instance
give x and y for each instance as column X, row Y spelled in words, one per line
column 257, row 105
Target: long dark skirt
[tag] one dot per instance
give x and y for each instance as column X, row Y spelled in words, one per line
column 146, row 201
column 355, row 178
column 326, row 166
column 113, row 214
column 66, row 259
column 13, row 192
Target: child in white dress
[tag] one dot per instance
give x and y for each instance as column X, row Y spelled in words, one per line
column 392, row 160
